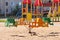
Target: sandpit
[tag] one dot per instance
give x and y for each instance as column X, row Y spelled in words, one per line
column 21, row 32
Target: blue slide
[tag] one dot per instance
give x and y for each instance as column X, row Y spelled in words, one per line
column 19, row 14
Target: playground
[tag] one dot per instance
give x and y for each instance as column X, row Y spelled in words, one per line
column 38, row 21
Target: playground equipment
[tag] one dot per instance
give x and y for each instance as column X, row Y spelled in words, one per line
column 10, row 21
column 50, row 13
column 26, row 12
column 37, row 11
column 59, row 9
column 19, row 13
column 55, row 11
column 41, row 22
column 27, row 15
column 38, row 23
column 26, row 9
column 46, row 19
column 21, row 21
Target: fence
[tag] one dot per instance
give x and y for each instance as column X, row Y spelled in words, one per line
column 55, row 19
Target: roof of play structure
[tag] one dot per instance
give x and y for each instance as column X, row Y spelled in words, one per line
column 38, row 3
column 56, row 1
column 26, row 1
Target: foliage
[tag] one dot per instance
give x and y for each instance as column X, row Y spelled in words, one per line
column 15, row 10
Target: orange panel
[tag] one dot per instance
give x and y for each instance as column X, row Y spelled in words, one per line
column 24, row 10
column 21, row 21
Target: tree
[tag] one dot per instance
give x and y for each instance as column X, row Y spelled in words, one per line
column 15, row 10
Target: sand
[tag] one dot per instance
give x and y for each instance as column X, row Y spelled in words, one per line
column 21, row 32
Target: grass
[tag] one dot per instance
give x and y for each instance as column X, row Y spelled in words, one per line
column 2, row 20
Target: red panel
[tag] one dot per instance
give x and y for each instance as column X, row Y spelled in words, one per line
column 59, row 0
column 38, row 3
column 47, row 4
column 29, row 1
column 55, row 1
column 26, row 1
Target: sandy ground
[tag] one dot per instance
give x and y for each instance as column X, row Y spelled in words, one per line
column 21, row 32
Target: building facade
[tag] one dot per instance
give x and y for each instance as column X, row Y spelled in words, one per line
column 6, row 6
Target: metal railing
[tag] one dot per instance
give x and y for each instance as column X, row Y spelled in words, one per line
column 55, row 19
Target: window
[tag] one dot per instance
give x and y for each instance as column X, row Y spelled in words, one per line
column 12, row 3
column 6, row 3
column 6, row 10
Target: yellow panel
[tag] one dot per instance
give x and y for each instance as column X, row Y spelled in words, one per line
column 54, row 12
column 49, row 14
column 37, row 19
column 29, row 16
column 58, row 9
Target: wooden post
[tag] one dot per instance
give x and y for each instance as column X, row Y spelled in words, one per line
column 58, row 13
column 34, row 10
column 53, row 8
column 55, row 14
column 31, row 8
column 27, row 6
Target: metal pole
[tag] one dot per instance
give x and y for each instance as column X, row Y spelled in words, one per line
column 5, row 12
column 22, row 8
